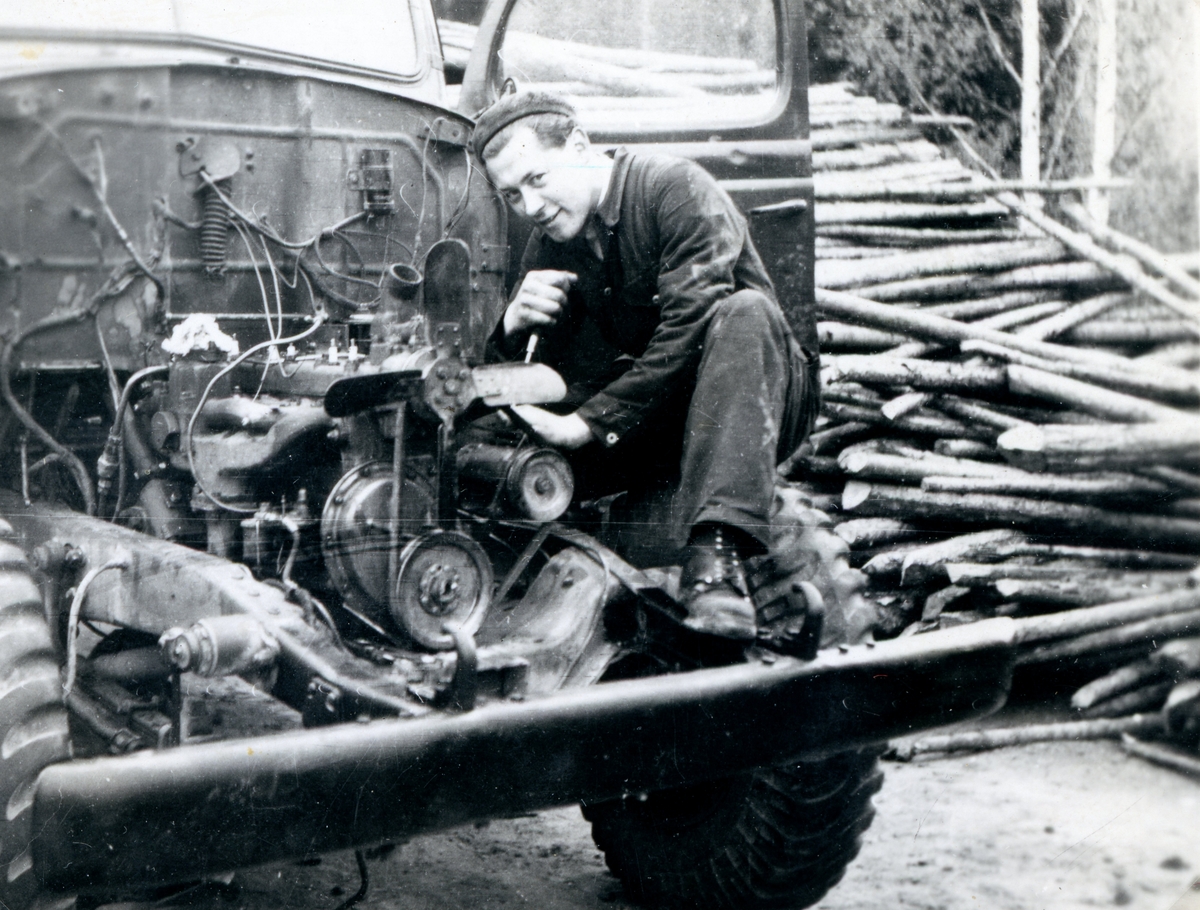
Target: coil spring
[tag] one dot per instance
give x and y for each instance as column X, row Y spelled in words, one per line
column 214, row 230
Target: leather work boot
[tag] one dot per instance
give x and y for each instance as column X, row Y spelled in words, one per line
column 713, row 588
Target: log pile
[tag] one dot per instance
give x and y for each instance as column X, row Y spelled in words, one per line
column 1011, row 406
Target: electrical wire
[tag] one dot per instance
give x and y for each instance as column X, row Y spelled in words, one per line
column 341, row 235
column 78, row 471
column 271, row 235
column 119, row 562
column 362, row 888
column 461, row 208
column 100, row 192
column 333, row 295
column 114, row 387
column 262, row 287
column 275, row 279
column 336, row 274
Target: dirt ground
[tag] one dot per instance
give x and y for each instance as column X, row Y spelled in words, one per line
column 1055, row 826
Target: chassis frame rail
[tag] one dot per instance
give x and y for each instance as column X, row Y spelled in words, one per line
column 172, row 814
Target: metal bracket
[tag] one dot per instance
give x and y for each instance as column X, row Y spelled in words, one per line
column 323, row 704
column 464, row 687
column 450, row 132
column 493, row 257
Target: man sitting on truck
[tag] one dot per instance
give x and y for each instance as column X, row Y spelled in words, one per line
column 641, row 286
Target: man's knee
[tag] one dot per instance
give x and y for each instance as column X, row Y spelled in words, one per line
column 745, row 307
column 746, row 317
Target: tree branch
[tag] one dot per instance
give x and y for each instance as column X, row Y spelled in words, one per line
column 1081, row 9
column 1060, row 131
column 997, row 47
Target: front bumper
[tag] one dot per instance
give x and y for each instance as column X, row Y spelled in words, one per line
column 173, row 814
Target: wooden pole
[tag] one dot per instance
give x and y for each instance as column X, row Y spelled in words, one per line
column 1075, row 315
column 865, row 464
column 1069, row 623
column 860, row 533
column 1105, row 129
column 1165, row 383
column 1160, row 628
column 928, row 327
column 959, row 192
column 1090, row 399
column 1160, row 754
column 1123, row 243
column 1085, row 246
column 1145, row 698
column 1115, row 683
column 1031, row 96
column 923, row 424
column 949, row 260
column 1101, row 446
column 919, row 374
column 1084, row 487
column 869, row 500
column 978, row 740
column 1085, row 589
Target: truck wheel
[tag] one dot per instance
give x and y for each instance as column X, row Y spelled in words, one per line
column 33, row 721
column 776, row 837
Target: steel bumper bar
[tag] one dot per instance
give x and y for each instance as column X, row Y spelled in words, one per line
column 181, row 813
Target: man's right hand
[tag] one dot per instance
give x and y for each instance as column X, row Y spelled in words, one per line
column 539, row 301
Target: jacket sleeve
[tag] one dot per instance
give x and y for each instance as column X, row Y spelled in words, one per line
column 701, row 235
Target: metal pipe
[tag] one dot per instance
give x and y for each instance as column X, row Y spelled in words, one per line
column 181, row 813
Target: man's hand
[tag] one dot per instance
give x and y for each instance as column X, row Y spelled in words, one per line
column 539, row 301
column 567, row 431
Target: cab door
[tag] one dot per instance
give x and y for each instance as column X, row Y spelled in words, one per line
column 724, row 82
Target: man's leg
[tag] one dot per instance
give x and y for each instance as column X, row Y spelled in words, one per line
column 751, row 406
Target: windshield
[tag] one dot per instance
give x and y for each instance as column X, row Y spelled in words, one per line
column 374, row 34
column 645, row 65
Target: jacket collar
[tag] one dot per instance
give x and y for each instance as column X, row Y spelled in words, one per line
column 610, row 209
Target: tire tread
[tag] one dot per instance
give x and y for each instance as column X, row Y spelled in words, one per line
column 781, row 838
column 34, row 730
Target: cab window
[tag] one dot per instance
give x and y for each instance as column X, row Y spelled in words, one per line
column 648, row 64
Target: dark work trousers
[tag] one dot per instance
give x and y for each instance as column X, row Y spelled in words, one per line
column 709, row 453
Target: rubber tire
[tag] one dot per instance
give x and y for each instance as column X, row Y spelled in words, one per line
column 778, row 837
column 33, row 723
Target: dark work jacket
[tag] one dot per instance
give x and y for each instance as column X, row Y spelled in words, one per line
column 632, row 334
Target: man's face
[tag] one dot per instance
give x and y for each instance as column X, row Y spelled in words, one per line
column 553, row 186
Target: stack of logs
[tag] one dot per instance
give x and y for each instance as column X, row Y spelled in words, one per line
column 1010, row 420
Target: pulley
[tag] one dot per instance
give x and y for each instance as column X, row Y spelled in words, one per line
column 444, row 578
column 355, row 532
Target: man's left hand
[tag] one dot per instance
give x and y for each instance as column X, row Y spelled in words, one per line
column 567, row 431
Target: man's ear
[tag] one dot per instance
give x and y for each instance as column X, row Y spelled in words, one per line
column 578, row 140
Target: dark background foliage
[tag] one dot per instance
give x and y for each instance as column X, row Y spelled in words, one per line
column 937, row 55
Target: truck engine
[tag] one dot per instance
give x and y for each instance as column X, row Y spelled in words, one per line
column 273, row 438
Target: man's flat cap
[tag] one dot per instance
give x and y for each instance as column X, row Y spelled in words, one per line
column 512, row 107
